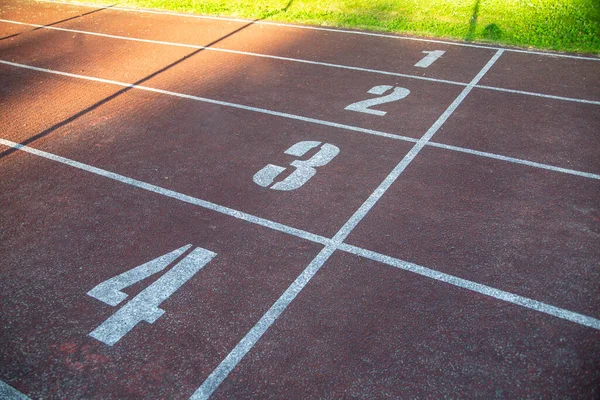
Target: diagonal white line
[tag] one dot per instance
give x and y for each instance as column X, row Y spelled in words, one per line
column 545, row 96
column 475, row 287
column 212, row 101
column 295, row 288
column 514, row 160
column 170, row 193
column 253, row 336
column 304, row 61
column 335, row 30
column 391, row 261
column 408, row 158
column 8, row 392
column 245, row 53
column 307, row 274
column 307, row 119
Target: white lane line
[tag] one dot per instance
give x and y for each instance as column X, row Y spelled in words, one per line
column 236, row 355
column 304, row 61
column 8, row 392
column 475, row 287
column 245, row 53
column 514, row 160
column 212, row 101
column 232, row 359
column 310, row 120
column 309, row 272
column 335, row 30
column 170, row 193
column 410, row 156
column 546, row 96
column 313, row 267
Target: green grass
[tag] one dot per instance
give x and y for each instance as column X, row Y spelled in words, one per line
column 562, row 25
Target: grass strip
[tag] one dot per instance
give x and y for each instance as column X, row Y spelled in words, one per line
column 560, row 25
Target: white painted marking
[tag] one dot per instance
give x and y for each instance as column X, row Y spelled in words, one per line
column 305, row 169
column 515, row 160
column 211, row 101
column 309, row 120
column 545, row 96
column 340, row 66
column 409, row 157
column 243, row 347
column 301, row 148
column 226, row 211
column 245, row 53
column 267, row 175
column 335, row 30
column 8, row 392
column 398, row 93
column 109, row 291
column 475, row 287
column 144, row 306
column 430, row 58
column 170, row 193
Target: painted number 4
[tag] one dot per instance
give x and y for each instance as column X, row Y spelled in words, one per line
column 144, row 306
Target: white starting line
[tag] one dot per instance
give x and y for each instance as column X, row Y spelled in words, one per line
column 302, row 61
column 335, row 243
column 312, row 269
column 310, row 120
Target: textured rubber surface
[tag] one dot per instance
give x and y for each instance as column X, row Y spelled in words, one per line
column 116, row 149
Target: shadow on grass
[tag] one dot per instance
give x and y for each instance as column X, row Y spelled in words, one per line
column 490, row 32
column 275, row 12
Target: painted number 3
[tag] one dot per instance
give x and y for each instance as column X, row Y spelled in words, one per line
column 305, row 169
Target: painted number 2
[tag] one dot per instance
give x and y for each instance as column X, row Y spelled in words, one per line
column 144, row 306
column 363, row 106
column 305, row 169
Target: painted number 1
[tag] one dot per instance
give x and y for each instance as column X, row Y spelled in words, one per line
column 363, row 106
column 144, row 306
column 304, row 169
column 429, row 58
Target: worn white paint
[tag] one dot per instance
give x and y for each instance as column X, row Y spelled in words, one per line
column 144, row 306
column 243, row 347
column 430, row 58
column 363, row 106
column 8, row 392
column 304, row 169
column 110, row 292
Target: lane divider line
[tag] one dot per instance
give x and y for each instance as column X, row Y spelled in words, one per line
column 220, row 373
column 514, row 160
column 335, row 30
column 304, row 61
column 378, row 257
column 310, row 120
column 171, row 193
column 239, row 52
column 8, row 392
column 474, row 287
column 311, row 269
